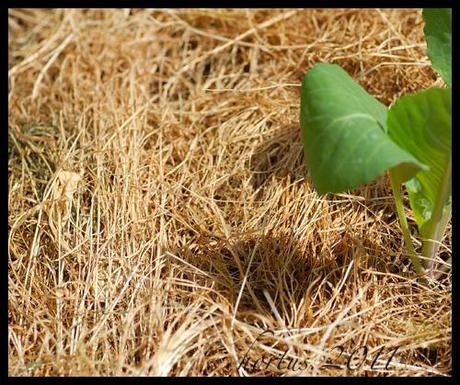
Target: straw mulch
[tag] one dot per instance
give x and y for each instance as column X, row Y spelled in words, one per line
column 160, row 214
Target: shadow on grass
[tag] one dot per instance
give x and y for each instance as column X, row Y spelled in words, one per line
column 261, row 273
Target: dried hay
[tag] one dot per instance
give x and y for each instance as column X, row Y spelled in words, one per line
column 193, row 226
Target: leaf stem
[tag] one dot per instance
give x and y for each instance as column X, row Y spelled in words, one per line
column 439, row 219
column 404, row 226
column 430, row 248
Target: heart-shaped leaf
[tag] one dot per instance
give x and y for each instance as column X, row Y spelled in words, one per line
column 344, row 133
column 438, row 35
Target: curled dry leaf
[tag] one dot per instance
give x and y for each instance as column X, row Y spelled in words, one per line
column 62, row 191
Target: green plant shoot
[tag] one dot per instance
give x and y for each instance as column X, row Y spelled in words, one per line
column 350, row 139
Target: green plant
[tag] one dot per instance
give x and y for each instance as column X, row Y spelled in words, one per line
column 350, row 139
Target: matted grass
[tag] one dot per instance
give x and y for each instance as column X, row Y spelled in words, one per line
column 161, row 216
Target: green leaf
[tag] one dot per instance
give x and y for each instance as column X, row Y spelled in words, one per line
column 421, row 124
column 438, row 35
column 344, row 133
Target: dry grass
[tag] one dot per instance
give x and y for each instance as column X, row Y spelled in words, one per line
column 161, row 217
